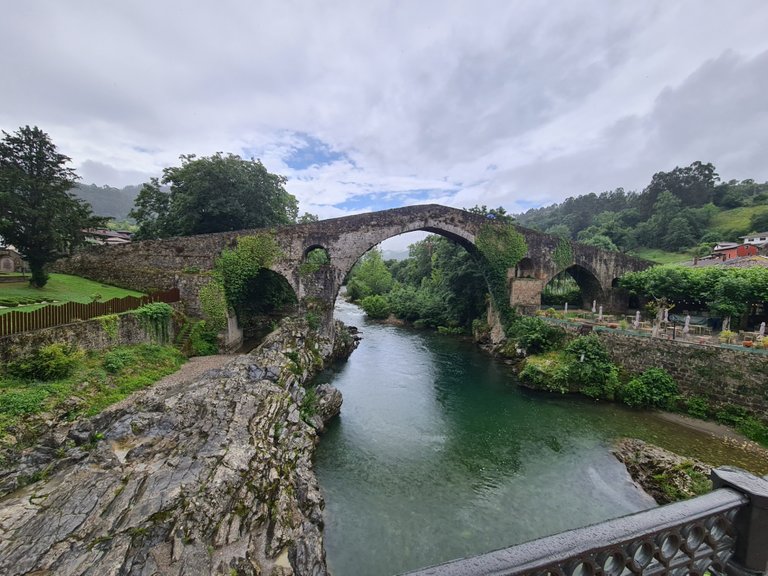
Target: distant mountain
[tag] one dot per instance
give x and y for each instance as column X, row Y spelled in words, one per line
column 394, row 254
column 108, row 201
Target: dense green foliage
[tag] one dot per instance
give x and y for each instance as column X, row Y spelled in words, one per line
column 242, row 282
column 654, row 388
column 203, row 339
column 685, row 208
column 582, row 366
column 213, row 303
column 590, row 368
column 375, row 306
column 501, row 247
column 238, row 267
column 212, row 194
column 369, row 277
column 724, row 291
column 38, row 213
column 155, row 318
column 440, row 284
column 535, row 336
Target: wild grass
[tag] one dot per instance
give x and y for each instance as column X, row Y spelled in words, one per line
column 99, row 379
column 736, row 222
column 661, row 256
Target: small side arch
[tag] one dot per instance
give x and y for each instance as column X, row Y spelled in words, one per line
column 589, row 285
column 525, row 268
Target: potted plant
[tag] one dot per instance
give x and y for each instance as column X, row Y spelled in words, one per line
column 726, row 336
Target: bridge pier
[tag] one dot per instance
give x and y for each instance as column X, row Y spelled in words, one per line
column 525, row 294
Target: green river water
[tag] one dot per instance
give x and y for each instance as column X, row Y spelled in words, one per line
column 437, row 454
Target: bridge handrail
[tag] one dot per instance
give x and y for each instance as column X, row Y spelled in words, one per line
column 722, row 531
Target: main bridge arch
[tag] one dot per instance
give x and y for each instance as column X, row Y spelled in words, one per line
column 345, row 248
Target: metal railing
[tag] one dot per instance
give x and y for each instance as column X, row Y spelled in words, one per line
column 723, row 532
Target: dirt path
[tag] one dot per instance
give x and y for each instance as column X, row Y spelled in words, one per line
column 194, row 367
column 713, row 428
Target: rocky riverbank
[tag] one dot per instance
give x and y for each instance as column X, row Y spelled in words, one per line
column 209, row 476
column 664, row 475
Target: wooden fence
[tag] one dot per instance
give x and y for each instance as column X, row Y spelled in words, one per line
column 58, row 314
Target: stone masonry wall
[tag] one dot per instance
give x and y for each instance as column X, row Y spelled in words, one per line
column 721, row 375
column 88, row 335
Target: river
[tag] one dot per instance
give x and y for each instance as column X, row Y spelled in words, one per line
column 437, row 454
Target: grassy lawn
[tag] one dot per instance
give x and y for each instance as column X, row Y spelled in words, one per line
column 735, row 222
column 661, row 256
column 60, row 288
column 96, row 380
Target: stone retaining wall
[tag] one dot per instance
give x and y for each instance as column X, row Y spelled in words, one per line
column 724, row 376
column 88, row 335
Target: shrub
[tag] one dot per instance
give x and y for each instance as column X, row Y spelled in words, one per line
column 47, row 363
column 375, row 306
column 546, row 372
column 536, row 335
column 309, row 405
column 357, row 290
column 203, row 339
column 654, row 388
column 23, row 401
column 697, row 407
column 726, row 336
column 754, row 429
column 313, row 320
column 591, row 369
column 115, row 360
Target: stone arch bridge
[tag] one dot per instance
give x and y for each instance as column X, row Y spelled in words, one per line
column 182, row 262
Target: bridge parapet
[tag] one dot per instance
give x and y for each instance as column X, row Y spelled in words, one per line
column 723, row 532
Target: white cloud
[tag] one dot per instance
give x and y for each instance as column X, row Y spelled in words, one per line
column 489, row 102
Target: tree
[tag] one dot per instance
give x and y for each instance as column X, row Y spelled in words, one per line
column 759, row 221
column 371, row 276
column 499, row 213
column 213, row 194
column 39, row 215
column 693, row 185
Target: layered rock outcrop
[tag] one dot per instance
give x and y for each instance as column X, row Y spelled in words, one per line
column 212, row 476
column 664, row 475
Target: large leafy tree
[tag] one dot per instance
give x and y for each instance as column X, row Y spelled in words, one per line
column 38, row 214
column 212, row 194
column 693, row 185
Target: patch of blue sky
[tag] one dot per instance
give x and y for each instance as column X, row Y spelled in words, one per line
column 527, row 203
column 385, row 200
column 313, row 152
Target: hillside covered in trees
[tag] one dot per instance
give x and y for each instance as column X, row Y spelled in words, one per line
column 108, row 201
column 684, row 210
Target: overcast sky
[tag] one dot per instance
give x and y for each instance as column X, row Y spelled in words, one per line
column 368, row 104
